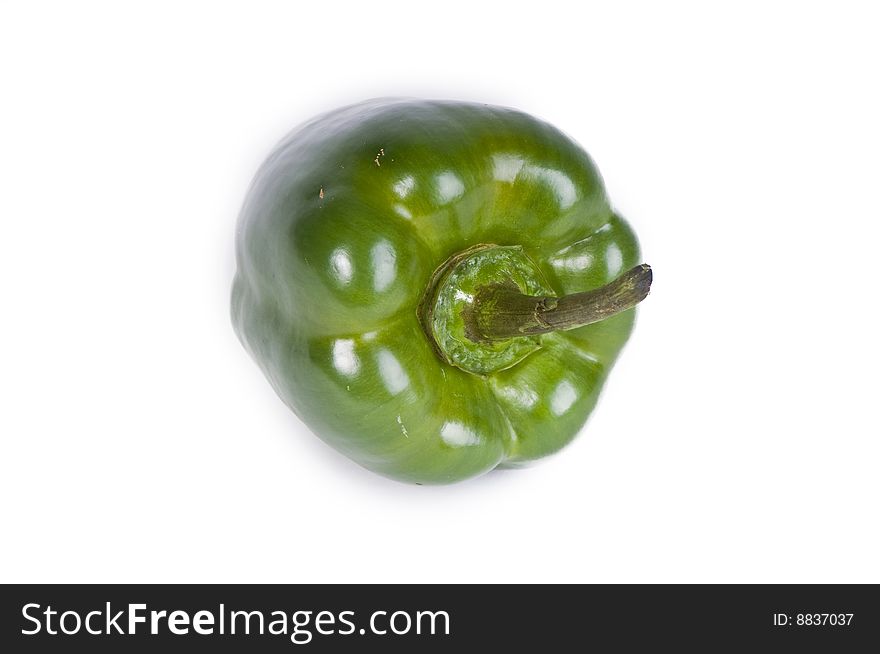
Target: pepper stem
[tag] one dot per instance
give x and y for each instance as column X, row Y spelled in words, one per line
column 501, row 311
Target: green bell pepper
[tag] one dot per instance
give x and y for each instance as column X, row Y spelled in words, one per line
column 434, row 288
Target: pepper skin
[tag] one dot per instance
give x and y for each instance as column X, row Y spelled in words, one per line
column 340, row 244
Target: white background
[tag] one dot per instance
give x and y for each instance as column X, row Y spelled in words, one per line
column 736, row 441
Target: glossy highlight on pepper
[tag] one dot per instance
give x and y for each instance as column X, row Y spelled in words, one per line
column 370, row 236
